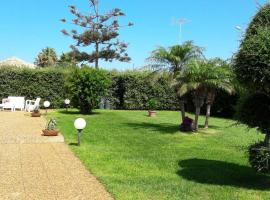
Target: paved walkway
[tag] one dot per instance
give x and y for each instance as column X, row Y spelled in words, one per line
column 40, row 169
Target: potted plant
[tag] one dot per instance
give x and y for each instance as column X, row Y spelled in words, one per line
column 36, row 112
column 50, row 129
column 152, row 105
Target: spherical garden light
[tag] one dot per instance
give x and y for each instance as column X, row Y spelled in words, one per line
column 67, row 102
column 46, row 105
column 79, row 124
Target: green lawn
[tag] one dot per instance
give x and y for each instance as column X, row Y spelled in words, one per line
column 137, row 157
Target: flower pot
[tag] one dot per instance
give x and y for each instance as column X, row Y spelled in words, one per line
column 152, row 113
column 50, row 132
column 34, row 114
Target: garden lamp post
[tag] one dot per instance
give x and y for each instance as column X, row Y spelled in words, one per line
column 79, row 124
column 67, row 102
column 46, row 105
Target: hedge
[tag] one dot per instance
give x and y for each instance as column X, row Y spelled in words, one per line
column 133, row 90
column 31, row 83
column 130, row 90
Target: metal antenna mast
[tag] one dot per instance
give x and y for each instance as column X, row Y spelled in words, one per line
column 180, row 23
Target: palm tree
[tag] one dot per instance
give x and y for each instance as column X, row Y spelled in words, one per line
column 67, row 59
column 202, row 78
column 224, row 81
column 46, row 58
column 174, row 60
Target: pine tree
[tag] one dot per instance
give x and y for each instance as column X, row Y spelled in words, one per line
column 99, row 31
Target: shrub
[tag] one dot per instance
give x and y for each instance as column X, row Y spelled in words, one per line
column 152, row 104
column 31, row 83
column 251, row 63
column 252, row 69
column 254, row 110
column 133, row 90
column 259, row 157
column 86, row 87
column 129, row 90
column 51, row 125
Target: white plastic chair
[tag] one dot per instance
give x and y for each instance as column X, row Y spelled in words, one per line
column 30, row 105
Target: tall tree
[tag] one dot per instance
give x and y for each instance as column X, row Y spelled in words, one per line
column 46, row 58
column 100, row 31
column 174, row 60
column 202, row 78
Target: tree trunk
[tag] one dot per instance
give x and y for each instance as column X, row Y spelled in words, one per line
column 209, row 102
column 198, row 102
column 182, row 105
column 97, row 54
column 208, row 111
column 197, row 114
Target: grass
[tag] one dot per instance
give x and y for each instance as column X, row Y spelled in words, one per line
column 137, row 157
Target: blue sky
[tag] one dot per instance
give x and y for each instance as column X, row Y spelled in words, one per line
column 28, row 26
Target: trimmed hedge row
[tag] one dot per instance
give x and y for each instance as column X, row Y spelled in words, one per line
column 133, row 90
column 45, row 83
column 128, row 91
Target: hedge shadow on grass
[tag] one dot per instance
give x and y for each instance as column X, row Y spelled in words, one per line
column 223, row 174
column 76, row 112
column 163, row 128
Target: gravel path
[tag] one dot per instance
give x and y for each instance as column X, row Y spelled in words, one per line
column 32, row 167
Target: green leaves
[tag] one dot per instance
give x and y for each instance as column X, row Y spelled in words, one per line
column 251, row 63
column 174, row 58
column 210, row 75
column 86, row 87
column 100, row 31
column 31, row 83
column 46, row 58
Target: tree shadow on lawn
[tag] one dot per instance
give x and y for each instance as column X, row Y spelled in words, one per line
column 164, row 128
column 167, row 128
column 223, row 174
column 210, row 127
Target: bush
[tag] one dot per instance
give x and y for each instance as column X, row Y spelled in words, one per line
column 129, row 90
column 86, row 87
column 251, row 63
column 152, row 104
column 31, row 83
column 259, row 157
column 252, row 69
column 133, row 90
column 254, row 110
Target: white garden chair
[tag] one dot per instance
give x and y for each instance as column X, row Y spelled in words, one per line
column 30, row 105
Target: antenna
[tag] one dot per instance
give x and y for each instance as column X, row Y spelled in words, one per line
column 180, row 22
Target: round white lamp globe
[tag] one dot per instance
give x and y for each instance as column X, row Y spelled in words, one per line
column 67, row 101
column 80, row 124
column 46, row 104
